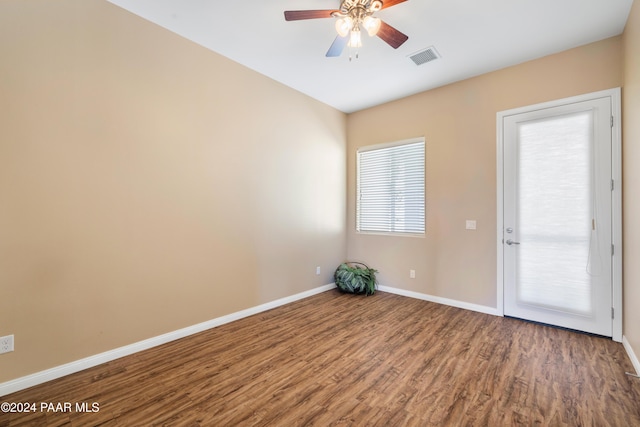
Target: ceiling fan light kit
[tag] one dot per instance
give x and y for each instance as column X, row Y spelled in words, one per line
column 344, row 26
column 355, row 40
column 353, row 16
column 372, row 25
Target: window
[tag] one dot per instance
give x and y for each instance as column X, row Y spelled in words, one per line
column 390, row 188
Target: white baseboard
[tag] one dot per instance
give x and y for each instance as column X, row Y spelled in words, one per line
column 91, row 361
column 445, row 301
column 634, row 359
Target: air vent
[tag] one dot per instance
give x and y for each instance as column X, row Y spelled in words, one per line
column 426, row 55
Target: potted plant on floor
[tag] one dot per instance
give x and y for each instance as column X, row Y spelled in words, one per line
column 356, row 278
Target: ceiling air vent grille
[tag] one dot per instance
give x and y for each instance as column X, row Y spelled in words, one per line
column 426, row 55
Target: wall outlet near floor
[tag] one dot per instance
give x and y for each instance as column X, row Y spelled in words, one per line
column 412, row 274
column 317, row 271
column 6, row 344
column 471, row 224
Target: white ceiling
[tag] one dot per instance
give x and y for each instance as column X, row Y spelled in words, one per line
column 472, row 36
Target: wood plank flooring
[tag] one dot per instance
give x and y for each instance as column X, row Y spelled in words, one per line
column 336, row 359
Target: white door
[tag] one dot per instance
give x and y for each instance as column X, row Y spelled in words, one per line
column 557, row 219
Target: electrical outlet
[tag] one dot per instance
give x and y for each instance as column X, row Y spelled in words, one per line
column 6, row 344
column 412, row 274
column 317, row 271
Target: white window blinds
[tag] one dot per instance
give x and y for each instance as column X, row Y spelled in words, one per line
column 391, row 188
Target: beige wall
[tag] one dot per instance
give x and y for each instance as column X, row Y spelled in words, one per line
column 148, row 184
column 631, row 178
column 459, row 125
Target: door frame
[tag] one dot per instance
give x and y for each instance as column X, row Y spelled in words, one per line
column 616, row 202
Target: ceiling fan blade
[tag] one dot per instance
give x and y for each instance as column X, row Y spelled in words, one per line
column 390, row 35
column 389, row 3
column 337, row 46
column 296, row 15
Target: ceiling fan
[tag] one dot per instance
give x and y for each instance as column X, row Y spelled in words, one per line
column 354, row 15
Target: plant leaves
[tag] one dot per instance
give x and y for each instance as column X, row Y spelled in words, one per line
column 356, row 279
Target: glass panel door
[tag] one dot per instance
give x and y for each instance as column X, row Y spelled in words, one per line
column 554, row 212
column 557, row 233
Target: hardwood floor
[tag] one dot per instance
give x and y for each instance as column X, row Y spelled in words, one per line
column 336, row 359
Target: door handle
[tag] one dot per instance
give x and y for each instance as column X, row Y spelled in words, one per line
column 511, row 242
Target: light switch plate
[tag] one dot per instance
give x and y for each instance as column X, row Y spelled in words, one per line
column 471, row 224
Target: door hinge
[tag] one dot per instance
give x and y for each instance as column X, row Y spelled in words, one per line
column 612, row 313
column 612, row 185
column 611, row 121
column 612, row 250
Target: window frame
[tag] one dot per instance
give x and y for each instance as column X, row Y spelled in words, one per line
column 386, row 145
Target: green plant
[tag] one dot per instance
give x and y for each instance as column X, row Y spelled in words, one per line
column 356, row 278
